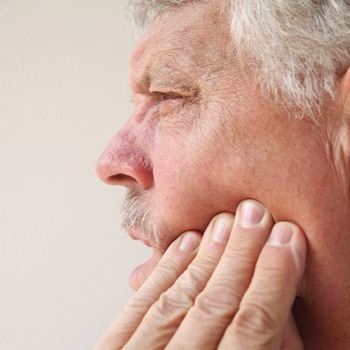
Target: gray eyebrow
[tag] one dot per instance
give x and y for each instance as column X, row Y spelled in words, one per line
column 164, row 71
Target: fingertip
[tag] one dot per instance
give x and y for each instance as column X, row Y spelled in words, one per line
column 281, row 234
column 189, row 241
column 286, row 234
column 250, row 213
column 222, row 226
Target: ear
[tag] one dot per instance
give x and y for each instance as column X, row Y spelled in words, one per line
column 345, row 92
column 345, row 100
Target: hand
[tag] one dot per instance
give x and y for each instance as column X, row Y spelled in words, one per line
column 234, row 291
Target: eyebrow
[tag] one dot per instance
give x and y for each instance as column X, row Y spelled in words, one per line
column 141, row 83
column 163, row 72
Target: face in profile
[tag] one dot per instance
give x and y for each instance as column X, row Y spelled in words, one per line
column 202, row 138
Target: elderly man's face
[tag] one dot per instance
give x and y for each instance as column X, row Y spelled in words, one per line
column 202, row 138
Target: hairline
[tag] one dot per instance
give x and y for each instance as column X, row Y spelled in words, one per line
column 295, row 66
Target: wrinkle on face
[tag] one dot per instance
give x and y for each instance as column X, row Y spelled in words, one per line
column 177, row 56
column 225, row 141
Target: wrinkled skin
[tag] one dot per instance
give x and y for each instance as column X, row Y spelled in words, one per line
column 202, row 138
column 234, row 291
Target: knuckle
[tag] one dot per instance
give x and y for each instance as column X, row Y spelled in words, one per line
column 166, row 272
column 172, row 304
column 192, row 282
column 219, row 300
column 274, row 270
column 200, row 271
column 246, row 248
column 243, row 254
column 255, row 322
column 181, row 296
column 178, row 299
column 170, row 266
column 141, row 301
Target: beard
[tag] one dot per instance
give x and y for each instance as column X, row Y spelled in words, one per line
column 137, row 214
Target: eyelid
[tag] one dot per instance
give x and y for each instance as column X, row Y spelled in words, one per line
column 170, row 95
column 175, row 95
column 180, row 92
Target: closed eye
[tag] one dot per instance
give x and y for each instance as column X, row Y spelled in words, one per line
column 167, row 102
column 166, row 96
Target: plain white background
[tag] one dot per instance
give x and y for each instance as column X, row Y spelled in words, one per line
column 64, row 261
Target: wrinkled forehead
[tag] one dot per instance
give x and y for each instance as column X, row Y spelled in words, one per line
column 144, row 11
column 196, row 34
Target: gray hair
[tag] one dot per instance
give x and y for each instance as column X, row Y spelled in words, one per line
column 300, row 47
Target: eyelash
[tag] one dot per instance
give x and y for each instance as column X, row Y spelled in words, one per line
column 164, row 97
column 167, row 102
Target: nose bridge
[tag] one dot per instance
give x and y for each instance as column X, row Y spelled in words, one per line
column 126, row 160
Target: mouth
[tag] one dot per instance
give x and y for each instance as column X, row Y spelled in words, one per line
column 135, row 235
column 140, row 274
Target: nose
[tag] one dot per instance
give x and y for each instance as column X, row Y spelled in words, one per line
column 126, row 161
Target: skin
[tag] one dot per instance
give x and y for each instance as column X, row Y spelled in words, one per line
column 203, row 138
column 192, row 301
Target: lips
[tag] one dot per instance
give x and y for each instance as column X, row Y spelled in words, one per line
column 139, row 275
column 135, row 235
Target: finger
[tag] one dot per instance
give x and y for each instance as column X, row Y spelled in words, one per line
column 173, row 263
column 215, row 307
column 267, row 304
column 291, row 339
column 167, row 313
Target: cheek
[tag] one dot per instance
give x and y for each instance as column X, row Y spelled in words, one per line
column 286, row 171
column 199, row 173
column 186, row 192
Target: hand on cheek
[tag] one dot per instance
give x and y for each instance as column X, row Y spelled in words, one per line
column 235, row 290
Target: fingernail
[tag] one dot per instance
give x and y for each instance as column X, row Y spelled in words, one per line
column 189, row 242
column 250, row 214
column 221, row 231
column 281, row 234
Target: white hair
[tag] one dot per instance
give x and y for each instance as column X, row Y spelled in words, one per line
column 299, row 47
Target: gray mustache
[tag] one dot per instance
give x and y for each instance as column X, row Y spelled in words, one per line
column 136, row 214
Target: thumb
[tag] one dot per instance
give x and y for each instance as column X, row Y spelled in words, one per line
column 291, row 339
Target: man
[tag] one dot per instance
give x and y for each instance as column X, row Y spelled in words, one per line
column 237, row 100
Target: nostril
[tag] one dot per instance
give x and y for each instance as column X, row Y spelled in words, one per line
column 120, row 179
column 123, row 165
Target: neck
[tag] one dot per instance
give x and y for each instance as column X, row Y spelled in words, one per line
column 322, row 330
column 323, row 310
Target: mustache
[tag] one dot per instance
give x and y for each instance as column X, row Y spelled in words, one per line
column 137, row 214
